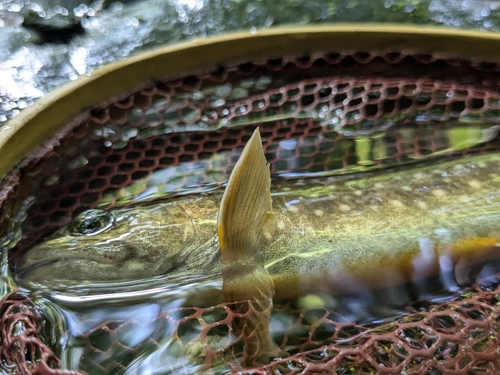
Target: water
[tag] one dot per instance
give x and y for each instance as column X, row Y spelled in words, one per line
column 174, row 324
column 135, row 327
column 161, row 322
column 151, row 332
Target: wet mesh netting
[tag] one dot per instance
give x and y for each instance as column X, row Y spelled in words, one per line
column 23, row 334
column 324, row 114
column 459, row 337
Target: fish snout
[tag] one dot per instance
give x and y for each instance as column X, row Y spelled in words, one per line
column 54, row 262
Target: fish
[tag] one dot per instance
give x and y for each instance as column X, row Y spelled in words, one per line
column 310, row 236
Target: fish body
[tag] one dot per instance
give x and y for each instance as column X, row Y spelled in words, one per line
column 322, row 235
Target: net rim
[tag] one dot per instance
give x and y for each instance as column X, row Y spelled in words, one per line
column 41, row 122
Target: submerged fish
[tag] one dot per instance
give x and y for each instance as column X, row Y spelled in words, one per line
column 319, row 236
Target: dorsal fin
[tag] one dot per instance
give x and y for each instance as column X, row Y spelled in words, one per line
column 246, row 204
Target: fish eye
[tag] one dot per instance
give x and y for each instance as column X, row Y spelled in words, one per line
column 91, row 222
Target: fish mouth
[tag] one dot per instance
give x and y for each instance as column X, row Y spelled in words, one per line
column 23, row 268
column 43, row 263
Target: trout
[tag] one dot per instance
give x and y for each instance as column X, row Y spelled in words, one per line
column 310, row 236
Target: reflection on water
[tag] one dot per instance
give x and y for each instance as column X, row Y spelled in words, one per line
column 371, row 250
column 137, row 288
column 384, row 143
column 402, row 239
column 154, row 333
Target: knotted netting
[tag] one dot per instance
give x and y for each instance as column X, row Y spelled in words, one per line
column 319, row 114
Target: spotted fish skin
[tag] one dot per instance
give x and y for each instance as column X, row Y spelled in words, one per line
column 380, row 231
column 323, row 234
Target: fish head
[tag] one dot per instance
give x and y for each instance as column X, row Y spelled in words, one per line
column 123, row 244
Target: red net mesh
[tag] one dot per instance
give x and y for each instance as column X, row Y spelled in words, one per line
column 23, row 334
column 458, row 337
column 318, row 114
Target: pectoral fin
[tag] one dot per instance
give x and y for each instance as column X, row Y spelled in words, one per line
column 246, row 204
column 245, row 209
